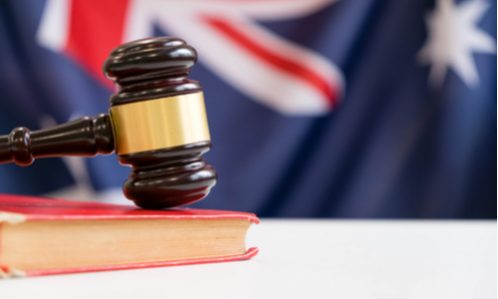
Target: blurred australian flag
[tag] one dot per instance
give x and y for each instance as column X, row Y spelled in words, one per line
column 317, row 108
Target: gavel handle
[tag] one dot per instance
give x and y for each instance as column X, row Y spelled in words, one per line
column 86, row 136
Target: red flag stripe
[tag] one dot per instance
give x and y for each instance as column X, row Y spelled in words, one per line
column 277, row 60
column 94, row 31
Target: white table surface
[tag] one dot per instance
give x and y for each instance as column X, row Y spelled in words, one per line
column 311, row 259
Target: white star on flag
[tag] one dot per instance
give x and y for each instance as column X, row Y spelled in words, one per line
column 454, row 36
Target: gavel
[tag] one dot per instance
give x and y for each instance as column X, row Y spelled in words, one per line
column 157, row 124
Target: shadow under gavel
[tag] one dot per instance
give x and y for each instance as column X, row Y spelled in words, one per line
column 156, row 124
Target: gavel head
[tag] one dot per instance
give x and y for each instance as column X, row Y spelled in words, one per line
column 159, row 122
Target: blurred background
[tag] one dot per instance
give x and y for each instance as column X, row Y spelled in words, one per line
column 317, row 108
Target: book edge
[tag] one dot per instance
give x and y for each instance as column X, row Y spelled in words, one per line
column 12, row 273
column 16, row 218
column 12, row 218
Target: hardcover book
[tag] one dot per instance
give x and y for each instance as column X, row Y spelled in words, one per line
column 52, row 236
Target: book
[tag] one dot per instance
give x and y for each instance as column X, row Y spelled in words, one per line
column 53, row 236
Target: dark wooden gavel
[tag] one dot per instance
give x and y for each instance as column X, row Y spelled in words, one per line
column 157, row 124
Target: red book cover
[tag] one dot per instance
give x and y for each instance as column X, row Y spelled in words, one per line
column 15, row 210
